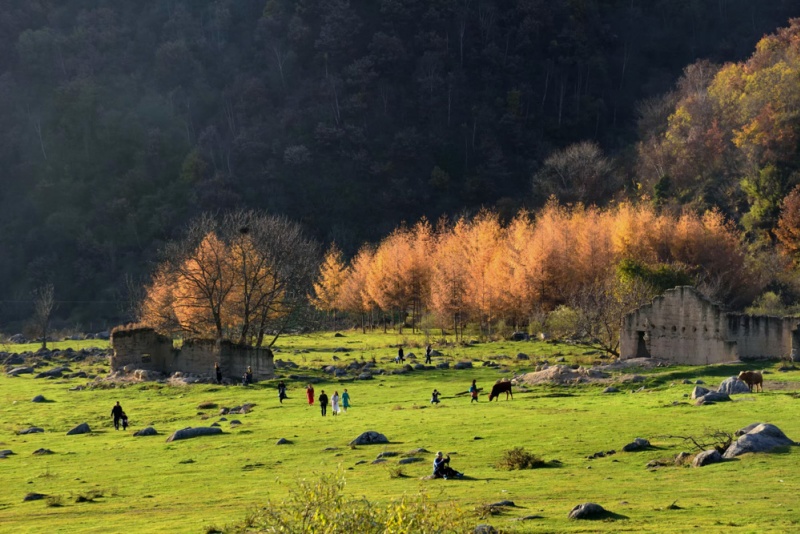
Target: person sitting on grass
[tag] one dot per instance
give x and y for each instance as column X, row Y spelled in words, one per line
column 442, row 469
column 435, row 397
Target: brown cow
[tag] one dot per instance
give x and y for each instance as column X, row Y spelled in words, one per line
column 500, row 387
column 752, row 378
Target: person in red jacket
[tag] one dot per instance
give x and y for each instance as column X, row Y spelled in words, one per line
column 310, row 394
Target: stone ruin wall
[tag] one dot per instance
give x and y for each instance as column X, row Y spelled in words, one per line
column 144, row 348
column 762, row 336
column 683, row 326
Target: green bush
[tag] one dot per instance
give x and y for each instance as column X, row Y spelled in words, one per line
column 322, row 507
column 519, row 458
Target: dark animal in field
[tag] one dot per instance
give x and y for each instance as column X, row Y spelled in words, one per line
column 752, row 378
column 500, row 387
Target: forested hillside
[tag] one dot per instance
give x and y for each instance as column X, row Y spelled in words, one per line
column 120, row 121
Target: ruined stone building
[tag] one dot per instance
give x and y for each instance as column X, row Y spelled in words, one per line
column 685, row 327
column 144, row 348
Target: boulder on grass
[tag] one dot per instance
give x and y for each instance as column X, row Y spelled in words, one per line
column 762, row 438
column 149, row 431
column 188, row 433
column 38, row 398
column 698, row 392
column 587, row 510
column 20, row 371
column 31, row 430
column 82, row 428
column 706, row 458
column 639, row 444
column 369, row 438
column 732, row 386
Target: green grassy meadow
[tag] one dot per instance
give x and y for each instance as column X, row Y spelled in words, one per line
column 143, row 484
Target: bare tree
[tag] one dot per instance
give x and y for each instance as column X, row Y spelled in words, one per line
column 44, row 304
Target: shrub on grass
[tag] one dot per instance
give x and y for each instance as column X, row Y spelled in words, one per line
column 55, row 501
column 322, row 506
column 519, row 458
column 396, row 471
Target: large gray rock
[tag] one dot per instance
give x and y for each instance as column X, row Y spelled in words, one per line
column 20, row 371
column 706, row 458
column 711, row 397
column 698, row 392
column 638, row 444
column 38, row 398
column 148, row 431
column 410, row 460
column 463, row 365
column 5, row 453
column 732, row 386
column 31, row 430
column 587, row 510
column 763, row 438
column 483, row 528
column 369, row 438
column 188, row 433
column 82, row 428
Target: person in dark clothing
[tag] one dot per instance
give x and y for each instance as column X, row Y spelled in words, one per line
column 117, row 413
column 400, row 356
column 442, row 469
column 428, row 351
column 473, row 392
column 124, row 421
column 218, row 372
column 247, row 379
column 281, row 391
column 323, row 403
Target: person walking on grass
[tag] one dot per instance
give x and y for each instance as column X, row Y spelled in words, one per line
column 310, row 394
column 428, row 351
column 345, row 400
column 218, row 372
column 473, row 392
column 323, row 403
column 117, row 413
column 335, row 403
column 281, row 391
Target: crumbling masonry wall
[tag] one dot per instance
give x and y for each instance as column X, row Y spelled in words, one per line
column 685, row 327
column 144, row 348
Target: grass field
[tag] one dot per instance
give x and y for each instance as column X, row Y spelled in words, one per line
column 147, row 485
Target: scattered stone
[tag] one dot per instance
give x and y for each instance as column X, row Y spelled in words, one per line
column 462, row 365
column 443, row 365
column 331, row 449
column 82, row 428
column 587, row 510
column 418, row 451
column 20, row 371
column 639, row 444
column 483, row 528
column 215, row 424
column 38, row 398
column 686, row 381
column 419, row 366
column 411, row 460
column 388, row 454
column 283, row 441
column 368, row 438
column 235, row 422
column 699, row 382
column 31, row 430
column 42, row 452
column 34, row 497
column 503, row 503
column 206, row 405
column 361, row 462
column 5, row 453
column 530, row 517
column 365, row 376
column 761, row 438
column 379, row 461
column 187, row 433
column 611, row 389
column 706, row 458
column 711, row 397
column 189, row 461
column 338, row 334
column 698, row 392
column 681, row 458
column 733, row 385
column 148, row 431
column 523, row 356
column 635, row 379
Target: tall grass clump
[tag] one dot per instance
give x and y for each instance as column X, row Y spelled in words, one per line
column 519, row 458
column 321, row 507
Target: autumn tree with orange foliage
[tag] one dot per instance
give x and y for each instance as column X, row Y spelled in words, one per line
column 328, row 287
column 238, row 278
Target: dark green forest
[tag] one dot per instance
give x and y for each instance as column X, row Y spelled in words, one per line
column 121, row 121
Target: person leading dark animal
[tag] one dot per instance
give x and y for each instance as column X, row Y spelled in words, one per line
column 503, row 386
column 117, row 413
